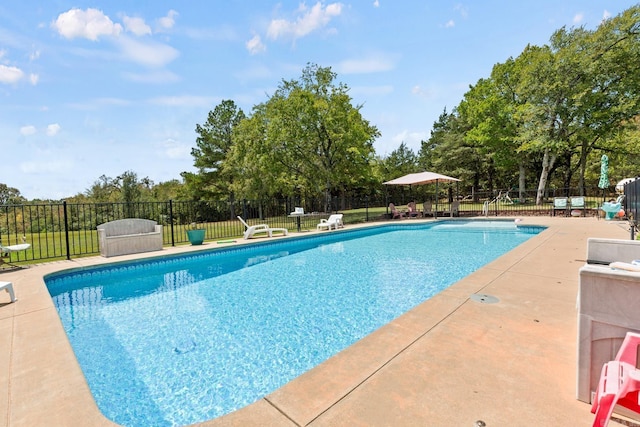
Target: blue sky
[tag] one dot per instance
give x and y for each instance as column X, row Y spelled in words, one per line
column 103, row 87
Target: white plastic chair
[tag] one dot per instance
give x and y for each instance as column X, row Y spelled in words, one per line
column 5, row 252
column 8, row 286
column 334, row 221
column 260, row 228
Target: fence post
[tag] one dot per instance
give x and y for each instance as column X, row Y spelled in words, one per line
column 366, row 208
column 66, row 228
column 173, row 242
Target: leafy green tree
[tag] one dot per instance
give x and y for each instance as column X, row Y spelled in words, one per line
column 439, row 131
column 123, row 188
column 102, row 189
column 580, row 90
column 250, row 161
column 610, row 106
column 543, row 114
column 212, row 146
column 129, row 187
column 307, row 139
column 447, row 152
column 400, row 162
column 165, row 191
column 10, row 195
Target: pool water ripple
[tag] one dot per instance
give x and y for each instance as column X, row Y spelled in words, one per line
column 185, row 340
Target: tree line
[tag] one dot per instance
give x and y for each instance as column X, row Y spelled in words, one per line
column 541, row 119
column 547, row 116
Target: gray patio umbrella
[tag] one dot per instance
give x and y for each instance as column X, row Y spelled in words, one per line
column 421, row 178
column 604, row 174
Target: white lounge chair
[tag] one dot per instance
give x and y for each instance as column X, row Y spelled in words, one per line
column 8, row 286
column 5, row 252
column 334, row 221
column 260, row 228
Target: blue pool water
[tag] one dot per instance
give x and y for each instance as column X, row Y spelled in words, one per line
column 182, row 339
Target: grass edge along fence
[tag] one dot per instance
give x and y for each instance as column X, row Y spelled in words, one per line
column 68, row 230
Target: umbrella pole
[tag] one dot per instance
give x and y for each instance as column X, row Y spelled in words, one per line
column 435, row 213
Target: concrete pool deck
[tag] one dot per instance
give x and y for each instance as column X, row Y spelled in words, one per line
column 448, row 362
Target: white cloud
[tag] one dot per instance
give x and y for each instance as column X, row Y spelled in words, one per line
column 10, row 74
column 371, row 64
column 309, row 21
column 93, row 24
column 151, row 54
column 464, row 12
column 255, row 45
column 136, row 26
column 34, row 55
column 34, row 79
column 578, row 18
column 27, row 130
column 53, row 129
column 376, row 3
column 167, row 22
column 606, row 15
column 450, row 24
column 90, row 24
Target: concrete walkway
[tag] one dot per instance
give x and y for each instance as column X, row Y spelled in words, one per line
column 449, row 362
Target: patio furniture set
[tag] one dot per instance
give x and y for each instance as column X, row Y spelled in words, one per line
column 427, row 210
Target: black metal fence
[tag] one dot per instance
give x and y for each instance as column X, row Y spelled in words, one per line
column 632, row 204
column 68, row 230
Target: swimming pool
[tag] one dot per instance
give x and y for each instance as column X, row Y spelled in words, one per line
column 177, row 340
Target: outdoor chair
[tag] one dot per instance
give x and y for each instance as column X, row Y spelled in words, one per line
column 395, row 213
column 455, row 208
column 334, row 221
column 578, row 203
column 560, row 204
column 427, row 209
column 412, row 211
column 619, row 382
column 5, row 252
column 8, row 286
column 251, row 230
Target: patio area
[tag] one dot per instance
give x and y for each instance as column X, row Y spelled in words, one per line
column 448, row 362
